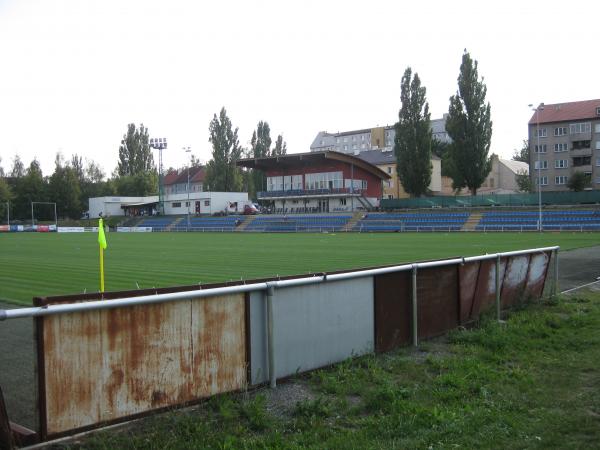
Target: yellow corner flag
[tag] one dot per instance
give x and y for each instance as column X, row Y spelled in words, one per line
column 102, row 245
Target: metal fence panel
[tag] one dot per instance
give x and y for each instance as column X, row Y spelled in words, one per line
column 438, row 305
column 485, row 292
column 393, row 310
column 514, row 281
column 259, row 372
column 536, row 278
column 99, row 366
column 467, row 278
column 314, row 326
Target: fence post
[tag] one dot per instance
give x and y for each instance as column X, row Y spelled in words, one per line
column 270, row 339
column 415, row 336
column 498, row 288
column 555, row 281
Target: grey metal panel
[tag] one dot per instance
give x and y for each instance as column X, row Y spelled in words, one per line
column 322, row 324
column 259, row 364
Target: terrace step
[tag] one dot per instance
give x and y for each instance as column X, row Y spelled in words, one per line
column 353, row 221
column 472, row 221
column 247, row 221
column 173, row 224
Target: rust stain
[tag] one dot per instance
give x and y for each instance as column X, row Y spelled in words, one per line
column 485, row 293
column 159, row 398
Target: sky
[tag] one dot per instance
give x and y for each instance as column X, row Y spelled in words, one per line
column 74, row 73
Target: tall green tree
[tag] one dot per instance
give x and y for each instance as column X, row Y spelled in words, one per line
column 222, row 174
column 135, row 154
column 523, row 181
column 18, row 169
column 1, row 169
column 579, row 181
column 280, row 147
column 412, row 143
column 469, row 125
column 260, row 147
column 523, row 154
column 64, row 189
column 31, row 187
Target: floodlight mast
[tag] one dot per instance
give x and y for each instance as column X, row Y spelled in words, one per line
column 160, row 144
column 188, row 150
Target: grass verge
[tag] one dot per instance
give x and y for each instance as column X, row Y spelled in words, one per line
column 531, row 382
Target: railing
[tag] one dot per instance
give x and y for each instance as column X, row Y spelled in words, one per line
column 162, row 354
column 310, row 192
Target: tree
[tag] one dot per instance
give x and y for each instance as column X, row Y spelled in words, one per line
column 1, row 169
column 523, row 154
column 222, row 174
column 469, row 125
column 5, row 192
column 579, row 181
column 412, row 143
column 31, row 187
column 64, row 188
column 280, row 147
column 18, row 169
column 135, row 154
column 260, row 147
column 523, row 181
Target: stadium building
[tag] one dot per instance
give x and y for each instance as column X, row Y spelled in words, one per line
column 325, row 181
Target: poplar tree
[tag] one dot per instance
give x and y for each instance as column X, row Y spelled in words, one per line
column 260, row 147
column 412, row 143
column 222, row 174
column 469, row 125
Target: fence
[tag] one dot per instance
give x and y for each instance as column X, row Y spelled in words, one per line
column 106, row 358
column 451, row 201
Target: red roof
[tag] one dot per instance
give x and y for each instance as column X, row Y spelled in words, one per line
column 196, row 176
column 561, row 112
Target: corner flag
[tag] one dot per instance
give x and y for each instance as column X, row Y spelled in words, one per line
column 102, row 245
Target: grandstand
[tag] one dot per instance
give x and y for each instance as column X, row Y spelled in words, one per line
column 312, row 222
column 557, row 220
column 433, row 221
column 225, row 223
column 158, row 223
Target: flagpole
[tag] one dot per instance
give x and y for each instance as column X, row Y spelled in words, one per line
column 101, row 268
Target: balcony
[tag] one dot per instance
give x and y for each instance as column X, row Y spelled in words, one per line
column 299, row 193
column 586, row 136
column 581, row 152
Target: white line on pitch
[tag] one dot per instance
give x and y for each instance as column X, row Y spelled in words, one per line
column 583, row 285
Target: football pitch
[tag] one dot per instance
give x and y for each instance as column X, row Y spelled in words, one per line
column 40, row 264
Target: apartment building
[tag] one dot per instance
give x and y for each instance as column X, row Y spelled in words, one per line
column 566, row 138
column 369, row 138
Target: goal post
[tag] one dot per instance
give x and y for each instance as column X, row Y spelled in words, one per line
column 43, row 203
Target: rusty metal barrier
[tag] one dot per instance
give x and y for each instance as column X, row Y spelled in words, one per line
column 102, row 361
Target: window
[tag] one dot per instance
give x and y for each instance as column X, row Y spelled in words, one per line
column 563, row 147
column 544, row 181
column 561, row 163
column 362, row 138
column 325, row 180
column 560, row 180
column 337, row 140
column 389, row 169
column 598, row 111
column 560, row 131
column 363, row 146
column 597, row 128
column 206, row 202
column 578, row 128
column 343, row 201
column 597, row 162
column 176, row 204
column 297, row 181
column 345, row 147
column 542, row 148
column 353, row 138
column 541, row 132
column 354, row 147
column 541, row 164
column 345, row 139
column 322, row 142
column 187, row 204
column 597, row 145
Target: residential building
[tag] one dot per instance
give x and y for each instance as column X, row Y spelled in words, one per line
column 392, row 188
column 566, row 138
column 176, row 182
column 369, row 138
column 324, row 181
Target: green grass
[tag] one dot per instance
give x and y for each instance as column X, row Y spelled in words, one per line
column 532, row 382
column 40, row 264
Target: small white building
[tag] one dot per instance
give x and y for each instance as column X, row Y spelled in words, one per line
column 199, row 203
